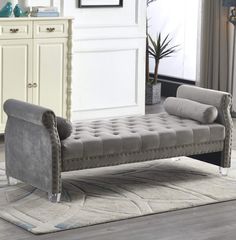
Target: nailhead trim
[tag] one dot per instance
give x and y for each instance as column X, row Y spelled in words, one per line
column 124, row 158
column 111, row 160
column 49, row 122
column 228, row 123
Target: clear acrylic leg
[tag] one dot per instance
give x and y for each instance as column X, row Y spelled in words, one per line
column 11, row 181
column 55, row 198
column 175, row 159
column 224, row 171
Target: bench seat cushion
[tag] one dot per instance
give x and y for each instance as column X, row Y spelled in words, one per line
column 136, row 133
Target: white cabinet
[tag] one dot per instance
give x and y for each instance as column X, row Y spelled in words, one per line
column 50, row 70
column 16, row 72
column 35, row 63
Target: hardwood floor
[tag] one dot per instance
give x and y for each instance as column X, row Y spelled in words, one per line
column 211, row 222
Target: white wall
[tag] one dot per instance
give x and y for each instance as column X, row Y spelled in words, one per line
column 108, row 59
column 180, row 20
column 31, row 2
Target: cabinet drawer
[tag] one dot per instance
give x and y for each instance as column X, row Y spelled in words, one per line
column 46, row 29
column 14, row 30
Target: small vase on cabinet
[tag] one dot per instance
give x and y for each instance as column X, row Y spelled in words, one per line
column 25, row 4
column 6, row 10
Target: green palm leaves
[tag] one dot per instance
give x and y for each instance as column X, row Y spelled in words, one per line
column 159, row 49
column 150, row 1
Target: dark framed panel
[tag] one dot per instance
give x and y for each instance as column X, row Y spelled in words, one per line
column 100, row 3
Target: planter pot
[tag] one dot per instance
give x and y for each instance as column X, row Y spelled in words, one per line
column 153, row 94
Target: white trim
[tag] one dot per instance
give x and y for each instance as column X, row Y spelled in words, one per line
column 62, row 7
column 51, row 3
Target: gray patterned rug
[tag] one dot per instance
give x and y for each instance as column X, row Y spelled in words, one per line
column 109, row 194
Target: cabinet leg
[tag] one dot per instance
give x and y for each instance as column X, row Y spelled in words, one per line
column 224, row 171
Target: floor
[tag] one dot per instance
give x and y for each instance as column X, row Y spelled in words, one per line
column 211, row 222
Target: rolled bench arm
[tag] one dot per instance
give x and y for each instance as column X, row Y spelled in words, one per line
column 223, row 102
column 27, row 112
column 32, row 146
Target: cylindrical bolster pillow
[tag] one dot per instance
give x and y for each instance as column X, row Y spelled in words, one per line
column 64, row 128
column 190, row 109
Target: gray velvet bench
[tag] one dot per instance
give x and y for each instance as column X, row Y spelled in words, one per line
column 197, row 123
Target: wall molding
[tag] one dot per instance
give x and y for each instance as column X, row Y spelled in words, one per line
column 107, row 108
column 122, row 17
column 134, row 48
column 113, row 31
column 113, row 49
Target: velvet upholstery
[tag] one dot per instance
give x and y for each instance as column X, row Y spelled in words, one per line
column 136, row 133
column 26, row 111
column 185, row 108
column 35, row 154
column 223, row 102
column 64, row 128
column 32, row 145
column 204, row 96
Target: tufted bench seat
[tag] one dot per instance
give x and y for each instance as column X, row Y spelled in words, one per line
column 36, row 155
column 136, row 133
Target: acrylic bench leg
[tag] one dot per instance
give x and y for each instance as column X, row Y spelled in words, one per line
column 11, row 181
column 54, row 198
column 224, row 171
column 175, row 159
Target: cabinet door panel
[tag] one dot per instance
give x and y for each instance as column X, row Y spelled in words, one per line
column 50, row 73
column 15, row 72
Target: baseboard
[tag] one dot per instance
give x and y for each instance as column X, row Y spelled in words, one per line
column 170, row 84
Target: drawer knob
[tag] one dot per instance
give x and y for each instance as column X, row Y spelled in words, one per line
column 35, row 85
column 14, row 30
column 30, row 85
column 51, row 29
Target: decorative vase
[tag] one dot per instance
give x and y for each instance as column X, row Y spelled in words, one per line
column 153, row 93
column 18, row 12
column 24, row 4
column 6, row 11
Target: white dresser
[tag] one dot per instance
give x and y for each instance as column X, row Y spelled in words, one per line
column 35, row 63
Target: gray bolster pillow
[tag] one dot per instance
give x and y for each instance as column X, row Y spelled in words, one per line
column 190, row 109
column 64, row 128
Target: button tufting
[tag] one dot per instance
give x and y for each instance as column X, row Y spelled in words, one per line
column 126, row 134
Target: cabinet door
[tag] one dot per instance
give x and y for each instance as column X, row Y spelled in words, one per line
column 15, row 73
column 50, row 62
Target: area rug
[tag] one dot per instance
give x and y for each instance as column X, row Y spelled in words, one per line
column 115, row 193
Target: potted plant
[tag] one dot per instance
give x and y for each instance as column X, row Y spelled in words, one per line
column 157, row 49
